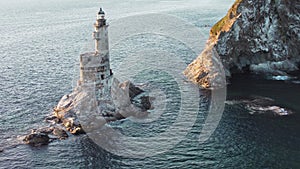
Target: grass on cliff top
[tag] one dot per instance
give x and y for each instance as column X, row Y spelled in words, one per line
column 225, row 23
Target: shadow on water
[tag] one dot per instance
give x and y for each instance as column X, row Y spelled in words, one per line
column 285, row 93
column 260, row 141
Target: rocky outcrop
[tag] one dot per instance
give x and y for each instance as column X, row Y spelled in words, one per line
column 45, row 135
column 127, row 100
column 65, row 115
column 258, row 36
column 37, row 139
column 207, row 70
column 123, row 95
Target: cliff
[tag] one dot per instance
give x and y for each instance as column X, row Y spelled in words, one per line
column 257, row 36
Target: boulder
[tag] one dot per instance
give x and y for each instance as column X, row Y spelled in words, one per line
column 60, row 133
column 37, row 139
column 134, row 90
column 77, row 130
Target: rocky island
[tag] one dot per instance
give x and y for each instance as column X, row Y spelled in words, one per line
column 98, row 98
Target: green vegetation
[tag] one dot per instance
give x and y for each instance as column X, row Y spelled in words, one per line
column 225, row 23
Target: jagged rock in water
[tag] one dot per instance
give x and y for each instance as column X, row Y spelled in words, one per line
column 60, row 133
column 126, row 100
column 258, row 36
column 44, row 130
column 52, row 119
column 37, row 139
column 40, row 136
column 133, row 90
column 146, row 103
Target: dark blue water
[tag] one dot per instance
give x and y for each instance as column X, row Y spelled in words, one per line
column 39, row 48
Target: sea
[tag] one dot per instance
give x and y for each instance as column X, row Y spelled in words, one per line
column 40, row 46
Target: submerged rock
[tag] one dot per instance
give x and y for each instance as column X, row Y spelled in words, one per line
column 258, row 36
column 261, row 105
column 276, row 110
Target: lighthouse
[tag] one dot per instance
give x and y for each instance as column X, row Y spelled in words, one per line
column 100, row 34
column 95, row 69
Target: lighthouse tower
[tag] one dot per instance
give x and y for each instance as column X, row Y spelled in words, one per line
column 94, row 66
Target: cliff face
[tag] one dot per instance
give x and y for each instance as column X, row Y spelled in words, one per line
column 260, row 36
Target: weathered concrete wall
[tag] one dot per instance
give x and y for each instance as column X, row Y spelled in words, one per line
column 95, row 71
